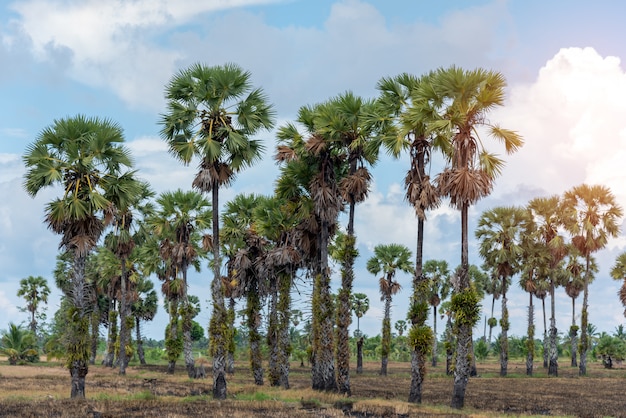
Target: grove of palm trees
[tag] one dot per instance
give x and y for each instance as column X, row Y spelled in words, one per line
column 121, row 244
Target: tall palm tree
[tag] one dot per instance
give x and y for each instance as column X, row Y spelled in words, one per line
column 347, row 120
column 85, row 157
column 312, row 169
column 463, row 100
column 247, row 248
column 181, row 222
column 126, row 197
column 360, row 306
column 277, row 220
column 547, row 216
column 212, row 113
column 438, row 275
column 35, row 291
column 592, row 216
column 400, row 98
column 143, row 309
column 493, row 287
column 500, row 233
column 388, row 259
column 575, row 270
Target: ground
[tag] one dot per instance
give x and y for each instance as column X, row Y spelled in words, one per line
column 42, row 390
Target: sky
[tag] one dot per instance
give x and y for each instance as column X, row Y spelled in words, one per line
column 562, row 62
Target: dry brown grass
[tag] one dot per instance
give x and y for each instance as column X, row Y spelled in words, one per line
column 42, row 391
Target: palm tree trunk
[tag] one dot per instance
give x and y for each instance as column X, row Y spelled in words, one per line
column 230, row 362
column 553, row 365
column 187, row 324
column 78, row 332
column 284, row 315
column 434, row 359
column 324, row 375
column 464, row 334
column 272, row 336
column 344, row 311
column 359, row 356
column 584, row 339
column 504, row 341
column 172, row 341
column 140, row 352
column 218, row 328
column 254, row 337
column 418, row 358
column 386, row 340
column 573, row 333
column 123, row 326
column 545, row 335
column 530, row 356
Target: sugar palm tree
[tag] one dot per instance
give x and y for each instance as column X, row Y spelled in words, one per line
column 311, row 175
column 463, row 100
column 547, row 216
column 438, row 275
column 403, row 103
column 500, row 233
column 388, row 259
column 181, row 222
column 347, row 120
column 247, row 248
column 360, row 306
column 127, row 195
column 144, row 308
column 277, row 220
column 35, row 291
column 85, row 157
column 212, row 113
column 592, row 216
column 574, row 271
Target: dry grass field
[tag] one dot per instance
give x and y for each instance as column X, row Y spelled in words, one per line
column 42, row 390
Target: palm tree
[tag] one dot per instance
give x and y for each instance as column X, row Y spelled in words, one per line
column 400, row 326
column 400, row 98
column 360, row 305
column 85, row 157
column 388, row 259
column 277, row 220
column 34, row 290
column 500, row 232
column 463, row 100
column 181, row 222
column 618, row 272
column 438, row 275
column 18, row 344
column 493, row 287
column 247, row 248
column 209, row 117
column 346, row 120
column 310, row 177
column 574, row 285
column 144, row 308
column 592, row 216
column 126, row 197
column 547, row 217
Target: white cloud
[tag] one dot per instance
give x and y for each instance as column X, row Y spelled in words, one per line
column 571, row 118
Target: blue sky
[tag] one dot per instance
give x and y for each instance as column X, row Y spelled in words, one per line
column 112, row 59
